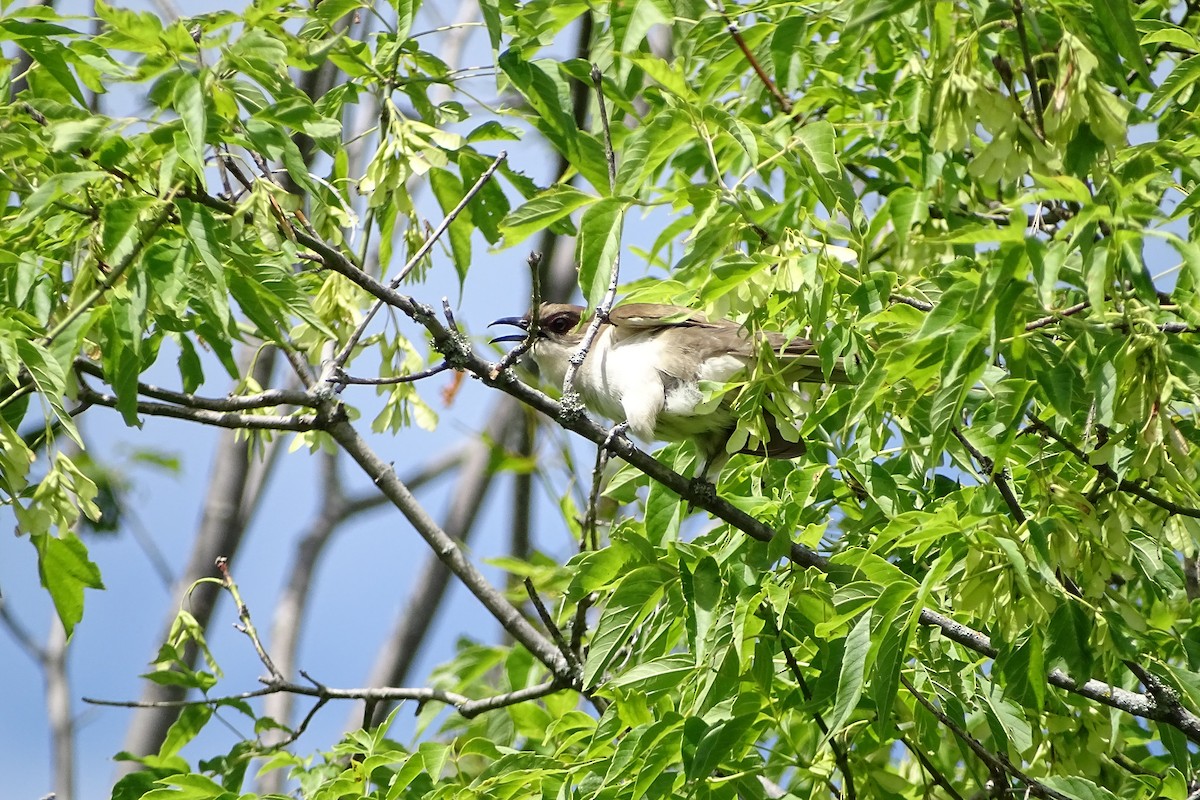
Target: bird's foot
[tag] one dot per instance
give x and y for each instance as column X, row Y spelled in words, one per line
column 614, row 433
column 703, row 490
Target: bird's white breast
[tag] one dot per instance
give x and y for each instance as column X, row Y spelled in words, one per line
column 644, row 380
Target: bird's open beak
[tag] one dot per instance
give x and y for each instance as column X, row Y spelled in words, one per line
column 520, row 322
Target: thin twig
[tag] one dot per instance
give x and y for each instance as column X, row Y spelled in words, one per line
column 999, row 477
column 609, row 155
column 571, row 402
column 589, row 540
column 21, row 634
column 340, row 378
column 929, row 767
column 115, row 271
column 732, row 26
column 550, row 624
column 839, row 753
column 1105, row 471
column 247, row 626
column 1035, row 90
column 426, row 246
column 535, row 308
column 998, row 763
column 579, row 623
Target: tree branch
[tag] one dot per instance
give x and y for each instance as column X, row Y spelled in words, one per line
column 227, row 419
column 997, row 763
column 1105, row 471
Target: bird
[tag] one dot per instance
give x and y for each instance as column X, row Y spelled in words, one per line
column 646, row 366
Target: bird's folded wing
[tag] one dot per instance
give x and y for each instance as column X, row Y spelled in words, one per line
column 645, row 316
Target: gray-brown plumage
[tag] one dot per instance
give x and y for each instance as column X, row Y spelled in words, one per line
column 647, row 362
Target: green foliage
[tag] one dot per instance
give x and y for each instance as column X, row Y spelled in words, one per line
column 982, row 212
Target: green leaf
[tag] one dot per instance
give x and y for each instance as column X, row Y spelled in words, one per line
column 1118, row 27
column 598, row 247
column 657, row 676
column 189, row 103
column 53, row 57
column 1184, row 76
column 633, row 599
column 702, row 593
column 817, row 139
column 542, row 212
column 448, row 190
column 548, row 93
column 187, row 725
column 65, row 571
column 1024, row 671
column 850, row 676
column 190, row 786
column 1076, row 788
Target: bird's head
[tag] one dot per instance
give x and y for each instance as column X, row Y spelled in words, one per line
column 558, row 333
column 556, row 322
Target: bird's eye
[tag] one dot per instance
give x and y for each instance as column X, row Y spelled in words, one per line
column 559, row 324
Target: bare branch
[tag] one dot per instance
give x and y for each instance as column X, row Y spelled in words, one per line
column 341, row 378
column 997, row 763
column 535, row 307
column 227, row 419
column 551, row 625
column 570, row 399
column 243, row 612
column 839, row 752
column 1035, row 89
column 732, row 26
column 21, row 634
column 1106, row 472
column 449, row 552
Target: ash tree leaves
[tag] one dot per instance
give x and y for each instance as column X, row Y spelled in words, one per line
column 1000, row 261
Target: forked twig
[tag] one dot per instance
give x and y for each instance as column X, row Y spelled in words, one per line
column 422, row 251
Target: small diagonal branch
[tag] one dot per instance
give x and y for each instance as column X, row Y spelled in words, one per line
column 535, row 308
column 115, row 270
column 1106, row 472
column 839, row 752
column 589, row 539
column 340, row 378
column 247, row 626
column 609, row 155
column 998, row 477
column 784, row 103
column 551, row 625
column 928, row 766
column 451, row 554
column 571, row 402
column 997, row 763
column 1035, row 89
column 342, row 356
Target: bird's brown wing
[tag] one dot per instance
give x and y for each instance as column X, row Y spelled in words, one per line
column 643, row 316
column 800, row 360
